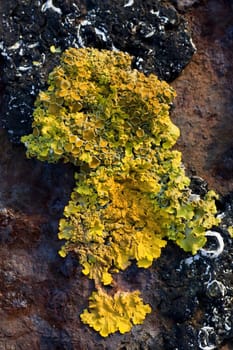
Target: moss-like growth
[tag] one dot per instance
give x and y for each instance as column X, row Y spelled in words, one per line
column 132, row 194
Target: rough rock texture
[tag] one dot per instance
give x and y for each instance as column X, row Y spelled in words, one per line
column 42, row 295
column 185, row 4
column 204, row 105
column 153, row 32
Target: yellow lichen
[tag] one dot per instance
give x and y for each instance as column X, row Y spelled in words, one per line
column 131, row 192
column 122, row 226
column 230, row 230
column 109, row 314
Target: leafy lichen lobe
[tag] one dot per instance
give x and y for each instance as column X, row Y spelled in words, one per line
column 131, row 193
